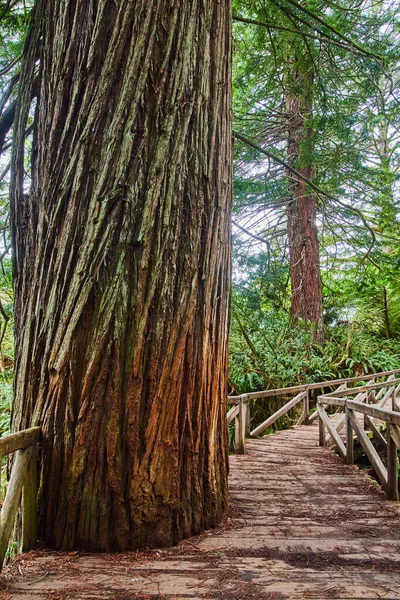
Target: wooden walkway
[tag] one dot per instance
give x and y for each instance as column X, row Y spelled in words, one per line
column 302, row 525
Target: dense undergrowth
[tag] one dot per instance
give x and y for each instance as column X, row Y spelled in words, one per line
column 275, row 353
column 5, row 401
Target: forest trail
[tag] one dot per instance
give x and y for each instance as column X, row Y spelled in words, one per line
column 302, row 525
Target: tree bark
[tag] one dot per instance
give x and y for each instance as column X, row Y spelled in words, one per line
column 388, row 332
column 122, row 270
column 305, row 271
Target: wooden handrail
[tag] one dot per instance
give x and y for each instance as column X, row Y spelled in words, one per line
column 22, row 486
column 232, row 414
column 382, row 414
column 240, row 405
column 279, row 413
column 364, row 388
column 19, row 441
column 309, row 386
column 360, row 397
column 388, row 476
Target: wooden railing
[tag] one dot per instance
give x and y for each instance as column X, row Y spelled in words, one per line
column 381, row 395
column 21, row 490
column 240, row 410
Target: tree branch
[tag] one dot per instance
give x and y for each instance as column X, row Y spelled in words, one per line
column 325, row 38
column 312, row 185
column 335, row 31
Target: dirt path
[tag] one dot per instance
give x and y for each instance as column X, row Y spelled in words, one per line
column 302, row 525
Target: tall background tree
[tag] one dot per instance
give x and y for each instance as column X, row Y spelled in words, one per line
column 316, row 114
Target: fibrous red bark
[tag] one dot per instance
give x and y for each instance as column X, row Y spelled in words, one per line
column 122, row 269
column 305, row 271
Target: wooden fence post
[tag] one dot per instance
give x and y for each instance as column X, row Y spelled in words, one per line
column 392, row 458
column 240, row 428
column 13, row 498
column 322, row 438
column 29, row 505
column 392, row 464
column 349, row 439
column 368, row 400
column 372, row 394
column 307, row 407
column 247, row 420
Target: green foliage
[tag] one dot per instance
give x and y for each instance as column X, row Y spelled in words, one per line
column 268, row 351
column 6, row 395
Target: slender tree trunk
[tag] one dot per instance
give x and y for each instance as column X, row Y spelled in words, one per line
column 122, row 269
column 388, row 332
column 305, row 272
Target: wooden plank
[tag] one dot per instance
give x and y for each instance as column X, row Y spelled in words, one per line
column 29, row 505
column 304, row 417
column 277, row 392
column 392, row 465
column 279, row 413
column 13, row 497
column 381, row 392
column 361, row 397
column 340, row 389
column 370, row 451
column 342, row 421
column 18, row 441
column 300, row 420
column 314, row 386
column 387, row 397
column 232, row 413
column 376, row 433
column 313, row 417
column 332, row 431
column 349, row 439
column 233, row 400
column 395, row 433
column 371, row 397
column 331, row 401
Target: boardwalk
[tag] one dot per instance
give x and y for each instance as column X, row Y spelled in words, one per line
column 301, row 525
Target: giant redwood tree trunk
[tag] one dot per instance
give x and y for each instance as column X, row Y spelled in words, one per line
column 122, row 269
column 305, row 272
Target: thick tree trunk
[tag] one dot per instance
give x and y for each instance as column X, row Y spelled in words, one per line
column 122, row 270
column 305, row 272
